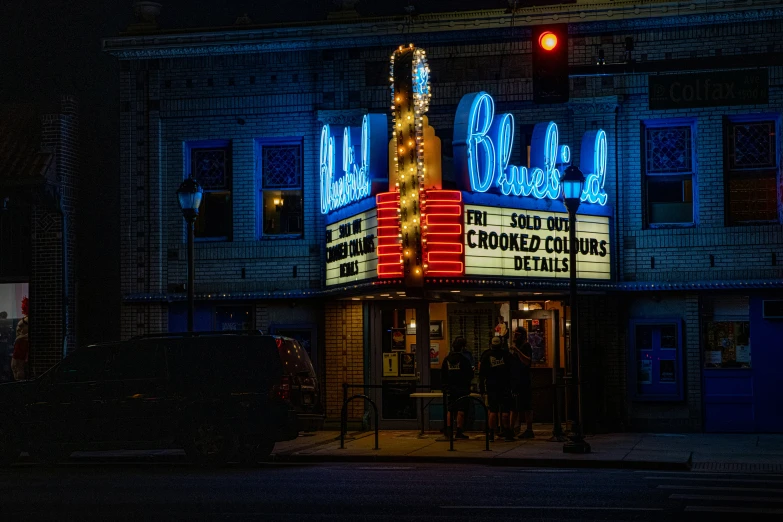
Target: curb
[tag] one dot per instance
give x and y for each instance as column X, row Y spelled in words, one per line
column 492, row 461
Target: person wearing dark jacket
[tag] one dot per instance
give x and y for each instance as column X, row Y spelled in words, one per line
column 456, row 374
column 495, row 381
column 522, row 352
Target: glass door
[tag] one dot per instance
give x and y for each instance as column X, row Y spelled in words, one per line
column 399, row 353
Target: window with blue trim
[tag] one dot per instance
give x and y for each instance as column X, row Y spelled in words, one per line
column 210, row 164
column 655, row 372
column 279, row 173
column 669, row 170
column 751, row 170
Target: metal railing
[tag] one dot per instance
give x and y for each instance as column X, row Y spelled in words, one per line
column 344, row 418
column 557, row 431
column 450, row 427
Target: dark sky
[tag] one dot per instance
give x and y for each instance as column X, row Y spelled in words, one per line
column 53, row 47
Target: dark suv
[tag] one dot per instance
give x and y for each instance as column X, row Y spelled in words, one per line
column 216, row 395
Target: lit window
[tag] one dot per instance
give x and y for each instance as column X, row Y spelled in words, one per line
column 210, row 164
column 751, row 172
column 669, row 174
column 280, row 202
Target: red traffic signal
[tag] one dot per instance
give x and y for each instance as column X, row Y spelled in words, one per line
column 547, row 40
column 550, row 63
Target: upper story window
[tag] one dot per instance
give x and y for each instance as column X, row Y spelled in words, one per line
column 751, row 171
column 670, row 167
column 279, row 178
column 210, row 164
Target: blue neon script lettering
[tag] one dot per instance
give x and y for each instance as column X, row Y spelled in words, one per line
column 354, row 183
column 593, row 164
column 482, row 148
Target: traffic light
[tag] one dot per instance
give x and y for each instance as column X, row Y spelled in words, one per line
column 550, row 63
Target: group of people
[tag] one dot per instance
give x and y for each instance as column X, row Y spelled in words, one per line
column 504, row 380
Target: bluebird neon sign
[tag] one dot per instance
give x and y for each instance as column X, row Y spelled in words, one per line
column 483, row 143
column 347, row 174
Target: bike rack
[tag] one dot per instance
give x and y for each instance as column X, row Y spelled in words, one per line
column 451, row 423
column 344, row 417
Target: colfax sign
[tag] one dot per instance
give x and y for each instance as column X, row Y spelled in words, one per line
column 674, row 91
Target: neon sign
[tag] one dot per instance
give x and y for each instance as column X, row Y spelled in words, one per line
column 482, row 151
column 347, row 175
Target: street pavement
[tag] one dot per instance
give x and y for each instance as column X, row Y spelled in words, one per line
column 654, row 451
column 98, row 489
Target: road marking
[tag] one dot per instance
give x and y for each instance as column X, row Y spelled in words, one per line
column 702, row 473
column 385, row 468
column 745, row 481
column 720, row 509
column 583, row 508
column 719, row 488
column 683, row 496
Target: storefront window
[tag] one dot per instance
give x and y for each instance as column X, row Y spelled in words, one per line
column 727, row 344
column 230, row 318
column 12, row 311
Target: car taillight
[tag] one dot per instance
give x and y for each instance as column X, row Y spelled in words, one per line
column 283, row 390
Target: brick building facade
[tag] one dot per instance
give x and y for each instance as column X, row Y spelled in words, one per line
column 39, row 168
column 689, row 261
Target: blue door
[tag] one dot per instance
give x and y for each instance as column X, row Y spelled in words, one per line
column 767, row 337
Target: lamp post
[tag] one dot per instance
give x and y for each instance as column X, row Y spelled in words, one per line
column 189, row 195
column 573, row 182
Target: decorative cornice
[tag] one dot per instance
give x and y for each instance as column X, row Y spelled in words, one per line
column 352, row 117
column 607, row 17
column 598, row 105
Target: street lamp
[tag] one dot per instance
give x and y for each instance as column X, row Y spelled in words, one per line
column 189, row 195
column 573, row 181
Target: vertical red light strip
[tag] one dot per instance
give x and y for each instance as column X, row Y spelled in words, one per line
column 444, row 253
column 389, row 243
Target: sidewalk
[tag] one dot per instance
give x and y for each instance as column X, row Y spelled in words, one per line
column 698, row 451
column 714, row 452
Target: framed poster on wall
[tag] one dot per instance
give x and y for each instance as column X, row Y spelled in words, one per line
column 390, row 364
column 398, row 339
column 408, row 365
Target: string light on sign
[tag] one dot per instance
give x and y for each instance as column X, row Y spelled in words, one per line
column 410, row 97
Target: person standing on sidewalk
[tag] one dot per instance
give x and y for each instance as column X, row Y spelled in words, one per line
column 523, row 352
column 21, row 351
column 495, row 380
column 456, row 374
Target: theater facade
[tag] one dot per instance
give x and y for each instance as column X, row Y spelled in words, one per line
column 376, row 187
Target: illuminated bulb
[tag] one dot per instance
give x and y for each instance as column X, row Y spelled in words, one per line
column 410, row 143
column 418, row 271
column 402, row 150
